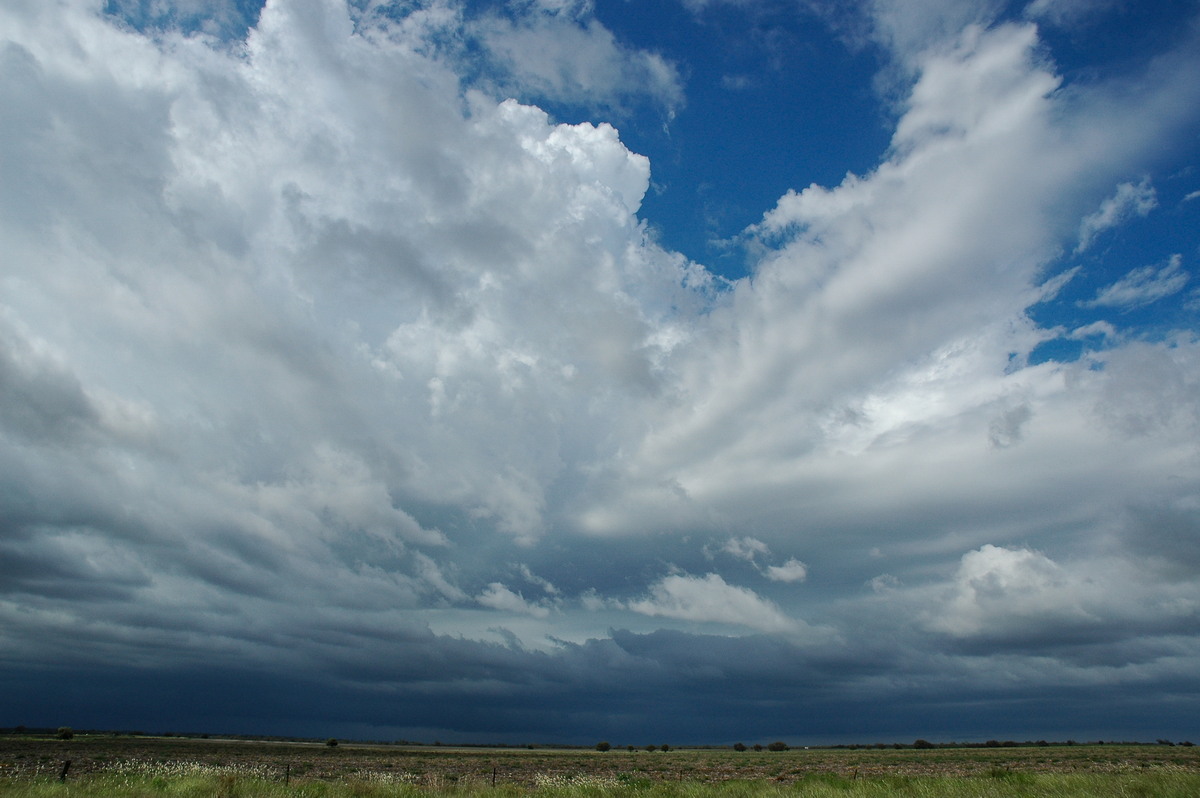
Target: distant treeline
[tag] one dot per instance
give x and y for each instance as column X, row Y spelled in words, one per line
column 38, row 731
column 48, row 731
column 997, row 744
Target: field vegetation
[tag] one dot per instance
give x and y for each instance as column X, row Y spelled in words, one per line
column 106, row 766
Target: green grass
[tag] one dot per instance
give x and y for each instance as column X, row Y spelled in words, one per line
column 999, row 784
column 109, row 767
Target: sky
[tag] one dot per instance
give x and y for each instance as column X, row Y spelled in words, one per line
column 684, row 371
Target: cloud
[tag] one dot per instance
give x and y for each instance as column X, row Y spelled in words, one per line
column 709, row 599
column 1101, row 329
column 791, row 571
column 750, row 549
column 281, row 357
column 218, row 18
column 1000, row 591
column 745, row 548
column 875, row 293
column 1067, row 13
column 1089, row 614
column 316, row 352
column 910, row 29
column 887, row 312
column 883, row 583
column 1005, row 430
column 1128, row 201
column 1142, row 286
column 499, row 597
column 533, row 579
column 431, row 573
column 560, row 52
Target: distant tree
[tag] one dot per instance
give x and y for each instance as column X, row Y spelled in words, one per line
column 778, row 745
column 603, row 746
column 664, row 747
column 629, row 747
column 758, row 746
column 922, row 744
column 739, row 746
column 331, row 742
column 651, row 747
column 65, row 732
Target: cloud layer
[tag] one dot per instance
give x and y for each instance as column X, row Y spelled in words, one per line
column 319, row 352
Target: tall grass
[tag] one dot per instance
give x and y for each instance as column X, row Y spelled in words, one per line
column 218, row 783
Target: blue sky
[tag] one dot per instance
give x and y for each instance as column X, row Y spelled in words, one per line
column 549, row 370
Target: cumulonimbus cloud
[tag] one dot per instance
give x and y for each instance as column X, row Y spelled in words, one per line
column 306, row 339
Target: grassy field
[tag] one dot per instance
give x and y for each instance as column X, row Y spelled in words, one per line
column 123, row 767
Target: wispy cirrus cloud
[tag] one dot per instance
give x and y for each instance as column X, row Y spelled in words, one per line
column 1142, row 286
column 1129, row 200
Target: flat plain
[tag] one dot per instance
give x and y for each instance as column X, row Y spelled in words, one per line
column 27, row 757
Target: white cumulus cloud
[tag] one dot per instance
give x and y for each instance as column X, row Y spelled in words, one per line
column 791, row 571
column 1002, row 587
column 710, row 599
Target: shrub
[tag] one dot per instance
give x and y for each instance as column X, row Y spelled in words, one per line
column 603, row 746
column 665, row 747
column 778, row 745
column 65, row 732
column 922, row 744
column 331, row 742
column 651, row 747
column 739, row 746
